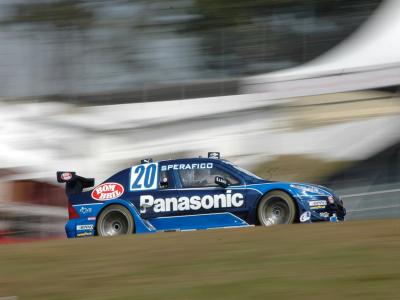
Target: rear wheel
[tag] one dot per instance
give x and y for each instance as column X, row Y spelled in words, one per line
column 115, row 220
column 276, row 207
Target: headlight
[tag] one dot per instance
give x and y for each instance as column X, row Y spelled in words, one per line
column 307, row 188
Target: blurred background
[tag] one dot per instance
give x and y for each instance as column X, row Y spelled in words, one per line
column 292, row 90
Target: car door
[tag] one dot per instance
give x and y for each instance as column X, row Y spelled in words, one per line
column 152, row 186
column 199, row 194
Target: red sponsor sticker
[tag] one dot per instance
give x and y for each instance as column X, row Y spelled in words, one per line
column 107, row 191
column 66, row 176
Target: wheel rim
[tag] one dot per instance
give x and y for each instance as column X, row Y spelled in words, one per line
column 114, row 223
column 275, row 211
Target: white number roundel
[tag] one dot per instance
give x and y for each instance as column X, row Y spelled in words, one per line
column 144, row 177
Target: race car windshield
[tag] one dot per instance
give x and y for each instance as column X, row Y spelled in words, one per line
column 247, row 172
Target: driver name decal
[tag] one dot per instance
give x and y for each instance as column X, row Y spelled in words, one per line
column 187, row 166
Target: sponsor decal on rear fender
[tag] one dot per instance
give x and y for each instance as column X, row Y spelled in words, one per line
column 85, row 227
column 107, row 191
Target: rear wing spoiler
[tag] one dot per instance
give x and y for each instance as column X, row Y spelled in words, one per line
column 74, row 184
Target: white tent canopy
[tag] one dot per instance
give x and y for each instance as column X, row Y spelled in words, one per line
column 375, row 45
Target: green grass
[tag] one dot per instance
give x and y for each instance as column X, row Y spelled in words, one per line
column 351, row 260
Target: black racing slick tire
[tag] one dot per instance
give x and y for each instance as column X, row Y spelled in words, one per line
column 276, row 207
column 115, row 220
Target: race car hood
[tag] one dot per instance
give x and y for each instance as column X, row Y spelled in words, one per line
column 312, row 189
column 296, row 188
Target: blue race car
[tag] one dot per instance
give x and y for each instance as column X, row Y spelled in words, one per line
column 190, row 194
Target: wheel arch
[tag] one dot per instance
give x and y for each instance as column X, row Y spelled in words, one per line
column 116, row 202
column 139, row 225
column 279, row 190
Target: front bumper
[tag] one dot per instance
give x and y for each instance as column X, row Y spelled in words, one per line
column 325, row 210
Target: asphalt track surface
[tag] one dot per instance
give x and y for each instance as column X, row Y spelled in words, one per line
column 374, row 202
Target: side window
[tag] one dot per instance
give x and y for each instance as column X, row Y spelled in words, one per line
column 165, row 181
column 204, row 177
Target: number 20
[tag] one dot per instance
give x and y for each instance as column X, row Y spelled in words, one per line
column 143, row 177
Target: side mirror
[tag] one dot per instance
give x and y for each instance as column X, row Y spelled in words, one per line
column 221, row 181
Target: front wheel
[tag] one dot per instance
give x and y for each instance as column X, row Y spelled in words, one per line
column 115, row 220
column 276, row 207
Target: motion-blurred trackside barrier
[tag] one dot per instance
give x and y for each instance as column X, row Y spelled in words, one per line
column 28, row 222
column 335, row 81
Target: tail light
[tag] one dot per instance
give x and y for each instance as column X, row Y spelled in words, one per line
column 72, row 214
